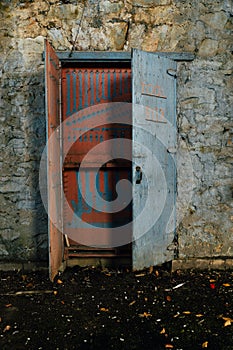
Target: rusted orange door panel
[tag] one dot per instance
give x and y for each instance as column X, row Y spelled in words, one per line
column 54, row 165
column 82, row 88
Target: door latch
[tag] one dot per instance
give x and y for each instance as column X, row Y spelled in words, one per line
column 138, row 175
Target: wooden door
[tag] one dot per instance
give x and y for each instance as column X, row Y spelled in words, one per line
column 154, row 170
column 54, row 160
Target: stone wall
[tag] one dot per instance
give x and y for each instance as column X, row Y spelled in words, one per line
column 204, row 95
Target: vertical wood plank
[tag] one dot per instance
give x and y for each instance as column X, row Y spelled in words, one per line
column 54, row 174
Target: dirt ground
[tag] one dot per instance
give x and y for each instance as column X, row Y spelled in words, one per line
column 91, row 308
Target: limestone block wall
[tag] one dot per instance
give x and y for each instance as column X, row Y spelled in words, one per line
column 204, row 106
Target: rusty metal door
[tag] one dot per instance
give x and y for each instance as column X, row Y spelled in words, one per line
column 83, row 87
column 154, row 169
column 54, row 163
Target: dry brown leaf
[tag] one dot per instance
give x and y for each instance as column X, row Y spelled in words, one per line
column 8, row 305
column 227, row 319
column 55, row 292
column 205, row 345
column 7, row 328
column 227, row 323
column 140, row 275
column 132, row 302
column 59, row 281
column 104, row 309
column 29, row 285
column 0, row 319
column 169, row 346
column 145, row 314
column 186, row 312
column 226, row 284
column 169, row 298
column 62, row 302
column 146, row 299
column 163, row 331
column 151, row 269
column 108, row 274
column 157, row 273
column 212, row 281
column 199, row 315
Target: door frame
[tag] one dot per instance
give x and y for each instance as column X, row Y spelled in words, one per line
column 69, row 58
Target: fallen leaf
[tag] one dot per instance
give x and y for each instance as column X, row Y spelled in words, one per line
column 212, row 281
column 132, row 302
column 108, row 274
column 227, row 323
column 169, row 346
column 62, row 302
column 226, row 284
column 212, row 286
column 24, row 277
column 8, row 305
column 163, row 331
column 29, row 285
column 151, row 269
column 146, row 299
column 168, row 298
column 140, row 275
column 145, row 314
column 55, row 292
column 227, row 319
column 186, row 312
column 157, row 273
column 199, row 315
column 205, row 345
column 0, row 319
column 59, row 281
column 7, row 328
column 104, row 309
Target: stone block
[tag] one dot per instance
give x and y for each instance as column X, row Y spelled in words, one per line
column 208, row 48
column 215, row 20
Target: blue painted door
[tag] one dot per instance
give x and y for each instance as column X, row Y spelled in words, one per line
column 154, row 170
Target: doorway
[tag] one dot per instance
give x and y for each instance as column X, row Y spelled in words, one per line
column 92, row 80
column 83, row 86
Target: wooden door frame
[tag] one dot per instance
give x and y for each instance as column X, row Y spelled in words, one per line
column 69, row 58
column 111, row 56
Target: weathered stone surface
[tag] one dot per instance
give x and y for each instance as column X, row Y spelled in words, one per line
column 215, row 20
column 117, row 32
column 208, row 48
column 145, row 3
column 204, row 107
column 3, row 251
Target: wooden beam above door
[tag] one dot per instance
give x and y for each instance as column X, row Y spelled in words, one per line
column 108, row 56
